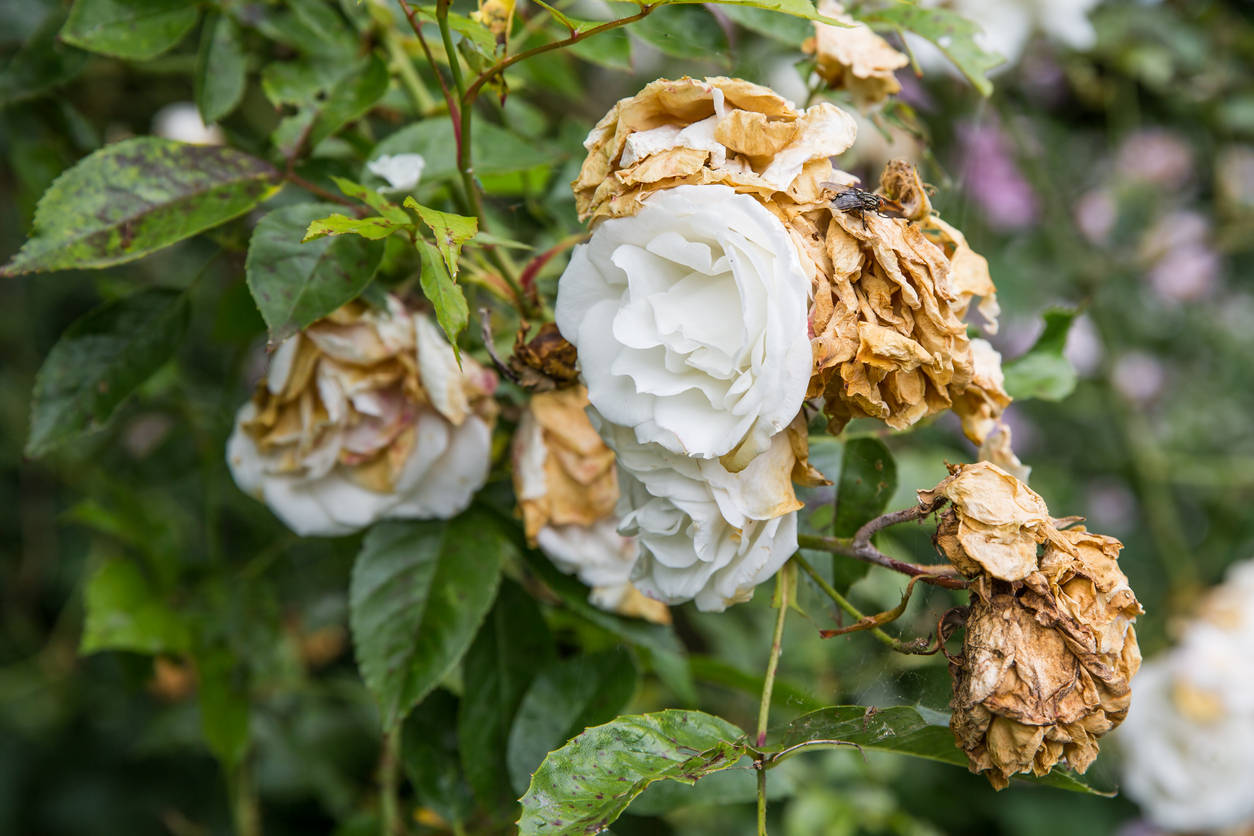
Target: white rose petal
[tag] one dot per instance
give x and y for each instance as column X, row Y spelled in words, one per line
column 690, row 321
column 181, row 121
column 601, row 557
column 705, row 534
column 402, row 171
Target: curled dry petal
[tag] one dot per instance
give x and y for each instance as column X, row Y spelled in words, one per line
column 997, row 449
column 981, row 404
column 365, row 416
column 545, row 363
column 854, row 58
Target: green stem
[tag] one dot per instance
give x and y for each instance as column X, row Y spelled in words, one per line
column 409, row 76
column 389, row 781
column 841, row 601
column 764, row 710
column 244, row 807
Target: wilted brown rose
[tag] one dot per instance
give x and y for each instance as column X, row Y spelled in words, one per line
column 1046, row 664
column 994, row 522
column 854, row 58
column 702, row 132
column 981, row 404
column 545, row 363
column 567, row 488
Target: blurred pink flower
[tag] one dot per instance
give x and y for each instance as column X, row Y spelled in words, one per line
column 991, row 177
column 1137, row 376
column 1095, row 215
column 1186, row 273
column 1156, row 156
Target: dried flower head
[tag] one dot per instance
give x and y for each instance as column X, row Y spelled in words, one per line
column 854, row 58
column 981, row 404
column 716, row 131
column 545, row 363
column 365, row 415
column 994, row 522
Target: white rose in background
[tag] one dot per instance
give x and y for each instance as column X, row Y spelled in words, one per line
column 567, row 489
column 705, row 534
column 690, row 322
column 181, row 121
column 401, row 171
column 1188, row 741
column 365, row 416
column 1009, row 24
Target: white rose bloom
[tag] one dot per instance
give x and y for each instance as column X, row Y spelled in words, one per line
column 364, row 416
column 598, row 554
column 402, row 171
column 690, row 321
column 705, row 534
column 1188, row 742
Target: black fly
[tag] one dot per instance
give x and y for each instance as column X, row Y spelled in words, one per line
column 860, row 201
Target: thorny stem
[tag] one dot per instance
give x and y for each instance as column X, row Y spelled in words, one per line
column 389, row 803
column 768, row 685
column 859, row 547
column 473, row 91
column 435, row 69
column 843, row 602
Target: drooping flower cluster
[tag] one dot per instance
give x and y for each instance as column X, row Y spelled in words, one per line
column 1188, row 743
column 1049, row 647
column 854, row 58
column 365, row 416
column 721, row 288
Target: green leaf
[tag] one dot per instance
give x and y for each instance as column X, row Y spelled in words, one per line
column 429, row 754
column 610, row 49
column 299, row 82
column 224, row 707
column 418, row 594
column 446, row 297
column 868, row 480
column 950, row 31
column 575, row 596
column 134, row 197
column 495, row 150
column 684, row 31
column 133, row 29
column 221, row 68
column 905, row 731
column 42, row 63
column 373, row 228
column 781, row 27
column 123, row 612
column 349, row 99
column 99, row 360
column 296, row 284
column 1043, row 371
column 566, row 698
column 784, row 695
column 374, row 200
column 797, row 8
column 327, row 25
column 451, row 231
column 513, row 645
column 584, row 786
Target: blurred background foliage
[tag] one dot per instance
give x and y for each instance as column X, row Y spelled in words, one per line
column 1114, row 174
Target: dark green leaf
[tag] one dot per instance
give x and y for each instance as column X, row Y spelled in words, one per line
column 429, row 753
column 224, row 706
column 325, row 24
column 418, row 594
column 372, row 228
column 42, row 63
column 99, row 360
column 446, row 297
column 221, row 68
column 575, row 595
column 610, row 49
column 450, row 231
column 374, row 200
column 296, row 284
column 566, row 698
column 950, row 31
column 1043, row 371
column 349, row 99
column 495, row 150
column 584, row 786
column 781, row 27
column 905, row 731
column 513, row 645
column 123, row 612
column 134, row 29
column 137, row 196
column 299, row 82
column 797, row 8
column 868, row 480
column 785, row 694
column 684, row 31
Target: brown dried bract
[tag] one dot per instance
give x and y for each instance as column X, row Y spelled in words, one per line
column 708, row 131
column 545, row 363
column 854, row 58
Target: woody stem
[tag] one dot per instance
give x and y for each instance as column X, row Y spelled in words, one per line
column 764, row 710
